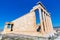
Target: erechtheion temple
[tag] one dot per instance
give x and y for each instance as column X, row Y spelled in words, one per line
column 26, row 24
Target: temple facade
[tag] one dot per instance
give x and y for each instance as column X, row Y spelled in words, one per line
column 26, row 24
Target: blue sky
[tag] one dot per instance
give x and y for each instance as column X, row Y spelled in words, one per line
column 12, row 9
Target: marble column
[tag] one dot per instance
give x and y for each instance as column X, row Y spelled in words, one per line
column 47, row 23
column 50, row 24
column 44, row 21
column 41, row 21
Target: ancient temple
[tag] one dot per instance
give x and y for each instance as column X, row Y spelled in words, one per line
column 26, row 24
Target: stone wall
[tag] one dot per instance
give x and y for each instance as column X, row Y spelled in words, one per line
column 25, row 23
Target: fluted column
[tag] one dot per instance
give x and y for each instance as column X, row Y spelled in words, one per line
column 44, row 21
column 41, row 21
column 50, row 24
column 47, row 23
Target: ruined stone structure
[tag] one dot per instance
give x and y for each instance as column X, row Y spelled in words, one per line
column 26, row 24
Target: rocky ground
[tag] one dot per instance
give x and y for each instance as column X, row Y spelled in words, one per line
column 26, row 37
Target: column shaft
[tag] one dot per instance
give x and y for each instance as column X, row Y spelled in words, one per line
column 41, row 21
column 50, row 24
column 44, row 22
column 47, row 24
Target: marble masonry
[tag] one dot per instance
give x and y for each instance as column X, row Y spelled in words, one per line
column 26, row 24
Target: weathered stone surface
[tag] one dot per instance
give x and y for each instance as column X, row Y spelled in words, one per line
column 26, row 24
column 22, row 37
